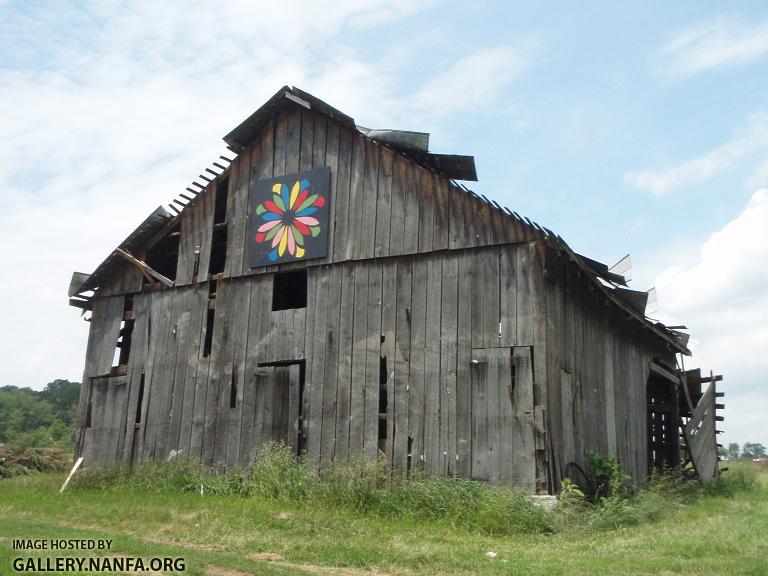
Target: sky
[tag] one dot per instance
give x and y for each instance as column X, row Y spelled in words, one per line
column 636, row 128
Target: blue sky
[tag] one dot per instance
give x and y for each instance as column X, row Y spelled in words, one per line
column 624, row 127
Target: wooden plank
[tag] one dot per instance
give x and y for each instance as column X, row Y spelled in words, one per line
column 442, row 214
column 356, row 197
column 416, row 402
column 237, row 215
column 359, row 352
column 368, row 230
column 226, row 316
column 372, row 362
column 207, row 199
column 448, row 363
column 280, row 144
column 478, row 299
column 456, row 226
column 491, row 305
column 524, row 473
column 198, row 311
column 307, row 139
column 340, row 204
column 412, row 193
column 480, row 424
column 433, row 457
column 259, row 308
column 185, row 333
column 463, row 363
column 339, row 178
column 426, row 209
column 262, row 163
column 330, row 370
column 106, row 317
column 136, row 363
column 155, row 380
column 496, row 382
column 199, row 410
column 318, row 358
column 214, row 384
column 524, row 297
column 383, row 204
column 345, row 350
column 239, row 354
column 397, row 213
column 320, row 143
column 388, row 352
column 402, row 364
column 185, row 262
column 507, row 297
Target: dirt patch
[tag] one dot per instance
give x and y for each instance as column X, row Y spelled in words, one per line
column 268, row 556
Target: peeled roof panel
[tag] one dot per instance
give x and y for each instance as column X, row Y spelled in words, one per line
column 453, row 166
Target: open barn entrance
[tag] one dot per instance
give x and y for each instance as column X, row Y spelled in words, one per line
column 663, row 423
column 280, row 401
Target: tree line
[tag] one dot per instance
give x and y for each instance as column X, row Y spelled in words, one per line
column 44, row 418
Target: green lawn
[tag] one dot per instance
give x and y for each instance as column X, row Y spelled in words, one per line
column 230, row 535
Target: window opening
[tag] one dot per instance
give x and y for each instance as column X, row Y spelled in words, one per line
column 123, row 345
column 289, row 290
column 219, row 237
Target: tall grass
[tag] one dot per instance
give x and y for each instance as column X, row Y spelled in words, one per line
column 366, row 488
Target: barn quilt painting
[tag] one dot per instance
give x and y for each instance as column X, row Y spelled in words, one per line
column 290, row 218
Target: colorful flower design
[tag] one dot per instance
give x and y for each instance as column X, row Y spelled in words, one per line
column 288, row 219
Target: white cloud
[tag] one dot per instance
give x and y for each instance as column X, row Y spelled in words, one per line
column 472, row 82
column 722, row 297
column 752, row 138
column 116, row 108
column 707, row 45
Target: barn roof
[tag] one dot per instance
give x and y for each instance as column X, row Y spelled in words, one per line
column 413, row 145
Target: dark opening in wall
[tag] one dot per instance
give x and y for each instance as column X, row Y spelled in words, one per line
column 233, row 391
column 383, row 404
column 289, row 290
column 220, row 207
column 163, row 255
column 123, row 346
column 209, row 332
column 219, row 238
column 137, row 419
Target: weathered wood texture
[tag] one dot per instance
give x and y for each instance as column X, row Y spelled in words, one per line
column 598, row 367
column 385, row 340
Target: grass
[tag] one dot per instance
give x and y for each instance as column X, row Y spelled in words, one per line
column 281, row 520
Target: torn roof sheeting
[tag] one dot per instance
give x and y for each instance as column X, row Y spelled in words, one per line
column 135, row 241
column 413, row 145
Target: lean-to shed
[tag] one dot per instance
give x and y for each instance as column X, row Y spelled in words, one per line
column 334, row 288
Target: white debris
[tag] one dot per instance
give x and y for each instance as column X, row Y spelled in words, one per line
column 490, row 554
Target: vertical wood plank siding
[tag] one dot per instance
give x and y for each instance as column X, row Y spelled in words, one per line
column 499, row 366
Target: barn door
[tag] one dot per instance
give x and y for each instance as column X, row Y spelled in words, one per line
column 281, row 407
column 104, row 420
column 503, row 448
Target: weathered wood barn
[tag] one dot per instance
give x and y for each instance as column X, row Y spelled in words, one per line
column 333, row 287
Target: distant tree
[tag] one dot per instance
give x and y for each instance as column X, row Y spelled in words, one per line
column 753, row 450
column 46, row 418
column 732, row 452
column 63, row 396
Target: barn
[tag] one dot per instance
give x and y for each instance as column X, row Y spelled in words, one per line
column 338, row 289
